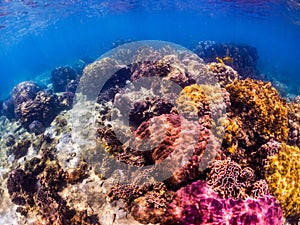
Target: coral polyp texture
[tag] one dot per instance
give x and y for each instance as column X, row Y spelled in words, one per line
column 198, row 204
column 224, row 74
column 263, row 112
column 228, row 179
column 294, row 123
column 283, row 177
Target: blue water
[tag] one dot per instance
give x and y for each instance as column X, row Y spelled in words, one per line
column 37, row 36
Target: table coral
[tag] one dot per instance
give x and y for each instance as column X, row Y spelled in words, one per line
column 197, row 204
column 283, row 177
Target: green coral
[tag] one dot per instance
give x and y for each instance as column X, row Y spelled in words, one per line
column 260, row 107
column 283, row 177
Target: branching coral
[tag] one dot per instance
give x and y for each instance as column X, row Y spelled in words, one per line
column 197, row 204
column 283, row 177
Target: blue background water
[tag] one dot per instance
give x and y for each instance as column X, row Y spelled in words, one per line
column 37, row 36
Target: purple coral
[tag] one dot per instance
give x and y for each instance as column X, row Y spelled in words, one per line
column 197, row 204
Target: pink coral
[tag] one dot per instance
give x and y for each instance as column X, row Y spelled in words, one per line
column 197, row 204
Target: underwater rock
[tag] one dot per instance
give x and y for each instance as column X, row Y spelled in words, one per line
column 10, row 140
column 51, row 206
column 198, row 204
column 242, row 57
column 62, row 77
column 21, row 187
column 42, row 108
column 37, row 127
column 65, row 101
column 24, row 91
column 8, row 109
column 20, row 149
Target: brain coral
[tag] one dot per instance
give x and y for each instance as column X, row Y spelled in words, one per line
column 197, row 204
column 263, row 113
column 283, row 177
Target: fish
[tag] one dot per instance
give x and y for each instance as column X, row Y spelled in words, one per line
column 219, row 60
column 227, row 59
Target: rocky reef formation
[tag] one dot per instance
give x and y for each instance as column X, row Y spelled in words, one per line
column 156, row 135
column 34, row 107
column 64, row 79
column 241, row 57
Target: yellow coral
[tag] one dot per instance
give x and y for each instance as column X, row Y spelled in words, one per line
column 260, row 107
column 283, row 177
column 191, row 100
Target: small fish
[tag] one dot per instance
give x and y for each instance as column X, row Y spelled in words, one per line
column 226, row 59
column 219, row 60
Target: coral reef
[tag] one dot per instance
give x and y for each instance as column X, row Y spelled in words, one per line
column 35, row 108
column 64, row 79
column 198, row 204
column 42, row 108
column 37, row 187
column 24, row 92
column 228, row 179
column 243, row 56
column 155, row 136
column 294, row 124
column 282, row 175
column 224, row 74
column 259, row 112
column 147, row 203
